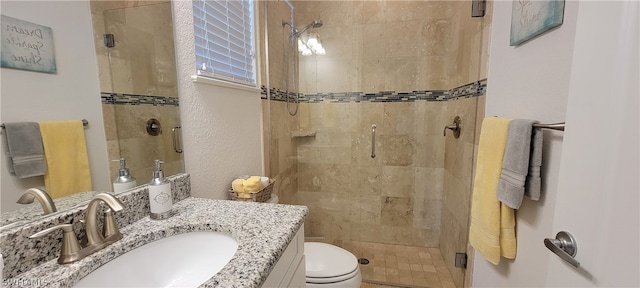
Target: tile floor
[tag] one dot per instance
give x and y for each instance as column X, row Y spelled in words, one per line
column 398, row 265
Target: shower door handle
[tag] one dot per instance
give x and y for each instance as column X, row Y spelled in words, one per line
column 175, row 139
column 373, row 141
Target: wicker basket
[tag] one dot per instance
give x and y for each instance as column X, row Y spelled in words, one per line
column 260, row 196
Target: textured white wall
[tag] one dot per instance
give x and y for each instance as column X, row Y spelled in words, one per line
column 530, row 81
column 221, row 126
column 72, row 93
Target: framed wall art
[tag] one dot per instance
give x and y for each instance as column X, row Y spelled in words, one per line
column 26, row 46
column 530, row 19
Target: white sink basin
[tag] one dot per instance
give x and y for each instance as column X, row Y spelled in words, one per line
column 183, row 260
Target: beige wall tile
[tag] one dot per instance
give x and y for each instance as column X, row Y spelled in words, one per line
column 373, row 76
column 338, row 75
column 406, row 73
column 372, row 47
column 399, row 118
column 309, row 177
column 429, row 183
column 365, row 114
column 336, row 178
column 403, row 11
column 397, row 211
column 333, row 40
column 426, row 237
column 429, row 151
column 398, row 149
column 371, row 179
column 367, row 209
column 309, row 68
column 361, row 150
column 402, row 39
column 373, row 12
column 426, row 213
column 398, row 181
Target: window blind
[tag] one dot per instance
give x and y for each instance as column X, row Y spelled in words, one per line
column 224, row 40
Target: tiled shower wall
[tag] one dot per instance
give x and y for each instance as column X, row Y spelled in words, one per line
column 390, row 45
column 140, row 85
column 415, row 191
column 395, row 197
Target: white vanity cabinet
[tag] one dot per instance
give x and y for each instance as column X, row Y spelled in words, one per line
column 290, row 269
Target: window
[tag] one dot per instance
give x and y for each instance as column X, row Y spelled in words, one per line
column 224, row 40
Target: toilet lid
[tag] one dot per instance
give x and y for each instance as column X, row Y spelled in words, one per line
column 328, row 261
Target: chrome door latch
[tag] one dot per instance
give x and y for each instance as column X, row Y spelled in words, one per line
column 564, row 246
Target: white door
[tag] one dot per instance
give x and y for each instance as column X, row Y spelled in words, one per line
column 597, row 200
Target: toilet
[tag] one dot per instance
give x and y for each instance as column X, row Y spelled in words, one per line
column 328, row 265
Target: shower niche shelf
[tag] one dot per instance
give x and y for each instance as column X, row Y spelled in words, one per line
column 303, row 133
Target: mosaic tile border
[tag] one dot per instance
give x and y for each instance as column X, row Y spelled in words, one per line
column 276, row 94
column 473, row 89
column 133, row 99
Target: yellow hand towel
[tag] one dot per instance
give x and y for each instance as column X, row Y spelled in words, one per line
column 492, row 229
column 65, row 151
column 238, row 185
column 253, row 184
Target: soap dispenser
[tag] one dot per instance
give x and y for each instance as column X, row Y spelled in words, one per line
column 159, row 194
column 124, row 180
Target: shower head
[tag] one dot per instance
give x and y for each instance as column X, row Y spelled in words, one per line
column 313, row 24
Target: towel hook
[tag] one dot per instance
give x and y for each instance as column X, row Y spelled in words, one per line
column 455, row 127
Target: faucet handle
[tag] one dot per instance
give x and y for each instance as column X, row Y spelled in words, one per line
column 110, row 227
column 70, row 244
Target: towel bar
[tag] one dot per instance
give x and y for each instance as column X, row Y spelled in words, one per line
column 84, row 123
column 554, row 126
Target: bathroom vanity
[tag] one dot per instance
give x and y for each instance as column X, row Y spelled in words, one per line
column 270, row 241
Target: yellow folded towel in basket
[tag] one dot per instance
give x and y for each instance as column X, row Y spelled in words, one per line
column 252, row 184
column 492, row 229
column 238, row 185
column 65, row 151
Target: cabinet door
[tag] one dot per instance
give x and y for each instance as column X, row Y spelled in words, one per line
column 290, row 269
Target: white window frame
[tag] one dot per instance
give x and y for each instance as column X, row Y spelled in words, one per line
column 221, row 80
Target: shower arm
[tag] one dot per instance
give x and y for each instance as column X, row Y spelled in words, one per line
column 292, row 35
column 296, row 33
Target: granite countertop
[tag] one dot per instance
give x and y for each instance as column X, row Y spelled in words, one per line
column 263, row 232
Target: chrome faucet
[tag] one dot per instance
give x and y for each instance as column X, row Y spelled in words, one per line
column 71, row 249
column 43, row 197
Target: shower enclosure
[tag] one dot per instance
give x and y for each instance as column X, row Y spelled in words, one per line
column 138, row 83
column 365, row 150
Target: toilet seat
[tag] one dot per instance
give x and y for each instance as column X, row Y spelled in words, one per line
column 326, row 280
column 327, row 263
